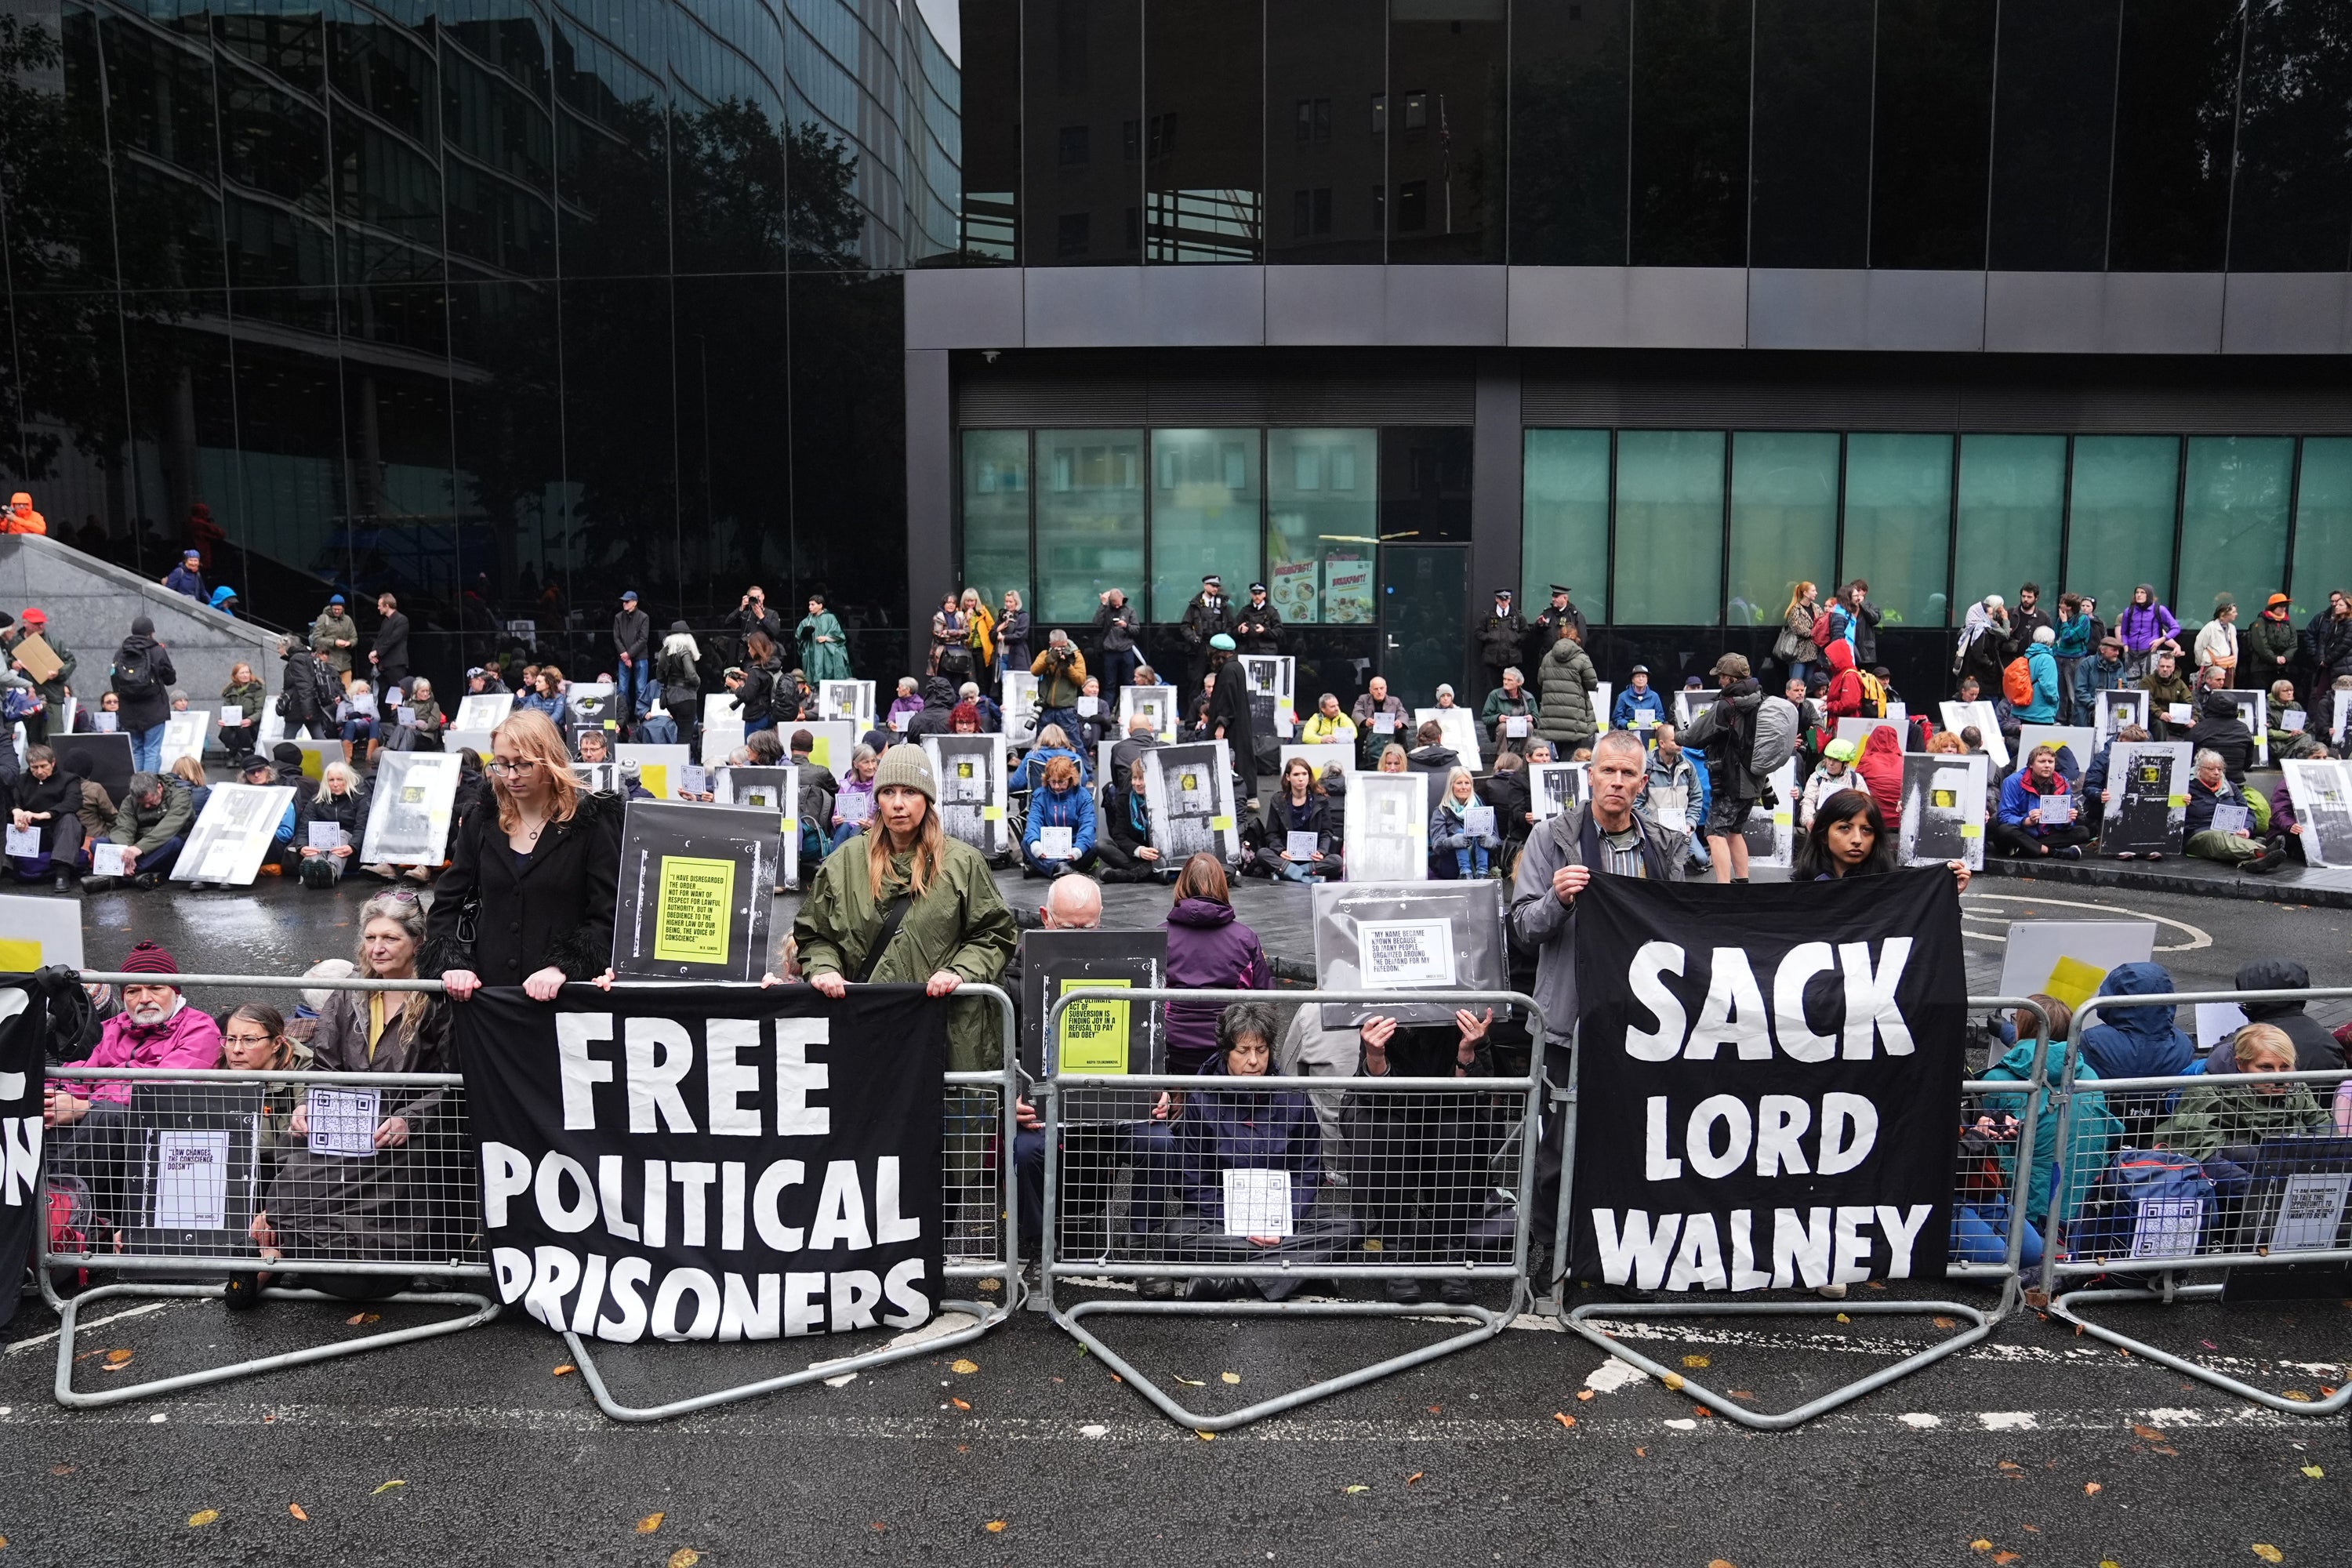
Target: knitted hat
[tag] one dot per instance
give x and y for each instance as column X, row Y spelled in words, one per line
column 1222, row 643
column 907, row 765
column 149, row 959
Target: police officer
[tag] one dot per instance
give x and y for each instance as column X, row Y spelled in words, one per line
column 1257, row 625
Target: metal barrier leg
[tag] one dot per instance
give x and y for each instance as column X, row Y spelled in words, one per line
column 2069, row 1307
column 485, row 1308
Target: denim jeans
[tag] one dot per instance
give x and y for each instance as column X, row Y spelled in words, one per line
column 147, row 750
column 1463, row 860
column 633, row 688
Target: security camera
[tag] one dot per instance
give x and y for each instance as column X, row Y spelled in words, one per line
column 989, row 354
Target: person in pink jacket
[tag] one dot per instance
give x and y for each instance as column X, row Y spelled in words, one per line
column 156, row 1028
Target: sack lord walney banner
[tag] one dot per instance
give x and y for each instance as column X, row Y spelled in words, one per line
column 708, row 1164
column 1769, row 1082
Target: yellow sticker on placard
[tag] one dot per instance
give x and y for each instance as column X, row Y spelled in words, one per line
column 1094, row 1033
column 1782, row 819
column 821, row 754
column 655, row 776
column 19, row 955
column 2177, row 802
column 2074, row 981
column 1972, row 830
column 1221, row 825
column 691, row 923
column 992, row 814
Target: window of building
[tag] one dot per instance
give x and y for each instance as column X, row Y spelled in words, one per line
column 1322, row 521
column 2119, row 517
column 1205, row 509
column 1783, row 521
column 2323, row 525
column 1412, row 207
column 1319, row 54
column 1809, row 186
column 1416, row 112
column 2012, row 510
column 1564, row 518
column 1898, row 525
column 1070, row 234
column 1689, row 117
column 1130, row 141
column 996, row 513
column 1567, row 204
column 1669, row 567
column 1379, row 114
column 1089, row 521
column 1073, row 145
column 2233, row 524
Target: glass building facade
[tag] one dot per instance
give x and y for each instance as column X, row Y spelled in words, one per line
column 501, row 305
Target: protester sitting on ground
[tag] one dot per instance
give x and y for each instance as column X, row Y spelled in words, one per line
column 767, row 748
column 1835, row 772
column 254, row 1039
column 1879, row 766
column 2209, row 789
column 2091, row 1133
column 1508, row 701
column 428, row 721
column 1416, row 1161
column 936, row 715
column 555, row 925
column 907, row 703
column 2221, row 730
column 992, row 717
column 154, row 821
column 592, row 746
column 1208, row 949
column 87, row 722
column 1508, row 789
column 1431, row 754
column 954, row 926
column 355, row 719
column 1140, row 739
column 2033, row 801
column 87, row 1129
column 1638, row 706
column 389, row 1206
column 2284, row 824
column 1394, row 759
column 2316, row 1049
column 1377, row 704
column 1849, row 837
column 248, row 696
column 2219, row 1123
column 542, row 693
column 1124, row 841
column 1060, row 801
column 2167, row 689
column 45, row 804
column 852, row 803
column 2138, row 1041
column 187, row 774
column 1456, row 850
column 1220, row 1126
column 341, row 803
column 1298, row 805
column 1326, row 726
column 1053, row 741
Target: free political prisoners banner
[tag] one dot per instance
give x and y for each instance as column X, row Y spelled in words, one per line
column 23, row 1024
column 1769, row 1082
column 708, row 1164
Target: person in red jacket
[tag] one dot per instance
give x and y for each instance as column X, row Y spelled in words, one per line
column 1846, row 689
column 1881, row 767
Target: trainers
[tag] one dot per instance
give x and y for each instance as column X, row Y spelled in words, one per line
column 1455, row 1292
column 1155, row 1289
column 2071, row 852
column 1405, row 1292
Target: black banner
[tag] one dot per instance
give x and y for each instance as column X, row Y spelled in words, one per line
column 1768, row 1081
column 23, row 1026
column 705, row 1163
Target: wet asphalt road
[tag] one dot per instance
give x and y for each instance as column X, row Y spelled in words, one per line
column 2037, row 1443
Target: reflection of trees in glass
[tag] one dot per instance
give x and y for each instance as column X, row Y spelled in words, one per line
column 1568, row 131
column 2289, row 211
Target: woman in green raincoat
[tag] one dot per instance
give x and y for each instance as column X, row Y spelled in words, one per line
column 825, row 651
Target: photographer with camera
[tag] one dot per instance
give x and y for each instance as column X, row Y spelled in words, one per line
column 1061, row 672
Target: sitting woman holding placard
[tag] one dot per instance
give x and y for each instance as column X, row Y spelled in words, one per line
column 1058, row 836
column 1300, row 843
column 1461, row 847
column 1849, row 837
column 330, row 826
column 1249, row 1167
column 378, row 1173
column 853, row 806
column 1123, row 837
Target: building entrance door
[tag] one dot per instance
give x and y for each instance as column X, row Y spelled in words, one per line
column 1424, row 642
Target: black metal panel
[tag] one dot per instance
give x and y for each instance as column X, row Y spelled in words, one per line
column 1196, row 387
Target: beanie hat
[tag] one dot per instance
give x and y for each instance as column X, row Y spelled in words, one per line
column 1223, row 643
column 141, row 626
column 147, row 958
column 908, row 766
column 287, row 753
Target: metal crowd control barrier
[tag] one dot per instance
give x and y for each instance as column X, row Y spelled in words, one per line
column 422, row 1221
column 1973, row 1182
column 2256, row 1210
column 984, row 1240
column 1438, row 1175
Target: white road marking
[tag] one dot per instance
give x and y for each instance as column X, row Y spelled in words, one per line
column 2197, row 937
column 25, row 1344
column 1614, row 1374
column 1919, row 1421
column 2007, row 1420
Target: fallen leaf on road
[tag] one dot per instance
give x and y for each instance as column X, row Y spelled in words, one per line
column 202, row 1517
column 2314, row 1471
column 1702, row 1412
column 1719, row 1563
column 1230, row 1376
column 2297, row 1394
column 650, row 1523
column 2004, row 1557
column 1944, row 1323
column 561, row 1371
column 296, row 1509
column 1673, row 1381
column 61, row 1469
column 2269, row 1553
column 1189, row 1382
column 1743, row 1394
column 2008, row 1465
column 356, row 1318
column 2148, row 1434
column 1204, row 1436
column 963, row 1368
column 1584, row 1394
column 1414, row 1479
column 2091, row 1489
column 1843, row 1318
column 995, row 1527
column 116, row 1358
column 1640, row 1453
column 1980, row 1544
column 1436, row 1409
column 387, row 1486
column 959, row 1404
column 1695, row 1360
column 685, row 1557
column 1563, row 1420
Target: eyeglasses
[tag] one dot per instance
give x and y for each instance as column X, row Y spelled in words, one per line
column 249, row 1040
column 398, row 896
column 509, row 770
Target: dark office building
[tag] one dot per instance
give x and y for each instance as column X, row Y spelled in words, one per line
column 1673, row 301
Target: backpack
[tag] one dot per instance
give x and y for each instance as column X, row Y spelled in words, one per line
column 72, row 1221
column 2110, row 1217
column 1825, row 630
column 1874, row 695
column 134, row 675
column 1775, row 738
column 2017, row 682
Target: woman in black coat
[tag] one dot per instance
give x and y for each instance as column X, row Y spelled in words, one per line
column 527, row 898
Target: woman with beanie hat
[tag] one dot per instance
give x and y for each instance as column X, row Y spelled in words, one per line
column 902, row 903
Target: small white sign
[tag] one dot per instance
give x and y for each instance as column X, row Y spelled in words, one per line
column 192, row 1179
column 232, row 718
column 1383, row 723
column 2217, row 1021
column 1089, row 706
column 1478, row 822
column 1515, row 726
column 103, row 721
column 900, row 722
column 325, row 835
column 2167, row 1227
column 407, row 717
column 110, row 859
column 2179, row 713
column 2057, row 810
column 1673, row 816
column 2234, row 819
column 1055, row 842
column 1298, row 845
column 694, row 785
column 1257, row 1203
column 1396, row 955
column 24, row 841
column 344, row 1121
column 2311, row 1210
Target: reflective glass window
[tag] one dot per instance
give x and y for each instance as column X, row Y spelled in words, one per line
column 1669, row 528
column 989, row 123
column 2119, row 517
column 996, row 513
column 1898, row 525
column 2053, row 122
column 2292, row 208
column 1203, row 120
column 1089, row 521
column 1690, row 77
column 2323, row 524
column 1934, row 98
column 1568, row 133
column 1205, row 503
column 1446, row 62
column 1783, row 521
column 1564, row 518
column 1809, row 188
column 1325, row 156
column 2012, row 509
column 1322, row 521
column 2176, row 99
column 1082, row 191
column 2233, row 524
column 1425, row 484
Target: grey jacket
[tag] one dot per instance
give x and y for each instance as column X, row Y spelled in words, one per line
column 1539, row 921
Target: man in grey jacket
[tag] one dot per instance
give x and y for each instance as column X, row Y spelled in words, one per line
column 1561, row 858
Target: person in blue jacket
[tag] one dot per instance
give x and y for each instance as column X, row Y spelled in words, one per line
column 2138, row 1042
column 1637, row 701
column 225, row 600
column 1062, row 801
column 2041, row 664
column 1977, row 1227
column 2037, row 816
column 185, row 578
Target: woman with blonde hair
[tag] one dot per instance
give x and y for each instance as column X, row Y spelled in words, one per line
column 527, row 898
column 1794, row 645
column 342, row 803
column 979, row 630
column 1012, row 636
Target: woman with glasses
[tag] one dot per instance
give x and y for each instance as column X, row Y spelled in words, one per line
column 387, row 1201
column 527, row 898
column 254, row 1039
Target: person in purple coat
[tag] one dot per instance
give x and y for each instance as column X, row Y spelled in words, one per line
column 1208, row 950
